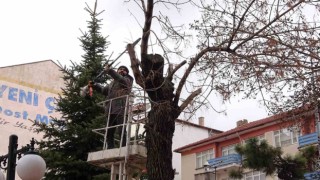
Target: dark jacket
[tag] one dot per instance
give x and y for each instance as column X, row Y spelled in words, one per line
column 120, row 86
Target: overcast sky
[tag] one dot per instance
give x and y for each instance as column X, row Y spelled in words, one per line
column 35, row 30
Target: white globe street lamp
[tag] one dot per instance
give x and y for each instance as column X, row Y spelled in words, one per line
column 31, row 167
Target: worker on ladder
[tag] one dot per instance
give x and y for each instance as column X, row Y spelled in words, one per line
column 115, row 105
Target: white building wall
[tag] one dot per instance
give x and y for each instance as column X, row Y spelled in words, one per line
column 185, row 134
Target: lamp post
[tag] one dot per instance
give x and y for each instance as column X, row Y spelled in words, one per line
column 30, row 167
column 208, row 169
column 2, row 175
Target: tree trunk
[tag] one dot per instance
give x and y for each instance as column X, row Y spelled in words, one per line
column 161, row 119
column 159, row 134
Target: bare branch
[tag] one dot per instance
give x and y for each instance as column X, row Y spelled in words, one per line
column 267, row 25
column 171, row 72
column 191, row 66
column 146, row 29
column 240, row 22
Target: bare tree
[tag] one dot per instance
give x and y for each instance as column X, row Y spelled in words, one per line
column 257, row 47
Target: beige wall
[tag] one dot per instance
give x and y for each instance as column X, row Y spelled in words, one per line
column 42, row 75
column 188, row 168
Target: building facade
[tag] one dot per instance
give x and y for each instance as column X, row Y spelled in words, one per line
column 219, row 150
column 27, row 94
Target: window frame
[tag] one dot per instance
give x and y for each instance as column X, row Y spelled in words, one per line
column 204, row 156
column 254, row 174
column 229, row 148
column 285, row 137
column 260, row 138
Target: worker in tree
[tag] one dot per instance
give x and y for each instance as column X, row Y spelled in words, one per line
column 116, row 100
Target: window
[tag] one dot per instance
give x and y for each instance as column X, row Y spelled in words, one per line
column 227, row 150
column 254, row 175
column 285, row 137
column 259, row 138
column 203, row 157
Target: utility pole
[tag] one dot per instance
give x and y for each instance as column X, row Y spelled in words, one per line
column 316, row 111
column 316, row 114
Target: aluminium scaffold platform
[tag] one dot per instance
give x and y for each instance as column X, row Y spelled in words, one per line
column 123, row 162
column 130, row 160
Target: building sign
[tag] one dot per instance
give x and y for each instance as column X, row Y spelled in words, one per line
column 20, row 107
column 20, row 104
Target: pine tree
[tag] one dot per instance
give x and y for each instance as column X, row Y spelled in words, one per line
column 67, row 141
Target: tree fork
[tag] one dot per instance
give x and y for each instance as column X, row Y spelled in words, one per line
column 157, row 87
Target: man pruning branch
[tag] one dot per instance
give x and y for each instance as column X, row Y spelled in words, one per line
column 116, row 100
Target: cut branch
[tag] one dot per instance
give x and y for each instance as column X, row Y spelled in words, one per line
column 135, row 66
column 190, row 99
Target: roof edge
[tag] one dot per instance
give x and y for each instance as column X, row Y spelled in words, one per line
column 31, row 63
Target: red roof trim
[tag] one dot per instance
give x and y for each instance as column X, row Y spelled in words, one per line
column 244, row 127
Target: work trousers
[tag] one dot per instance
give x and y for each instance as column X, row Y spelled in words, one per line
column 116, row 119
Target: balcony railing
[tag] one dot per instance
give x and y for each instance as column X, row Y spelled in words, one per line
column 312, row 175
column 225, row 160
column 308, row 139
